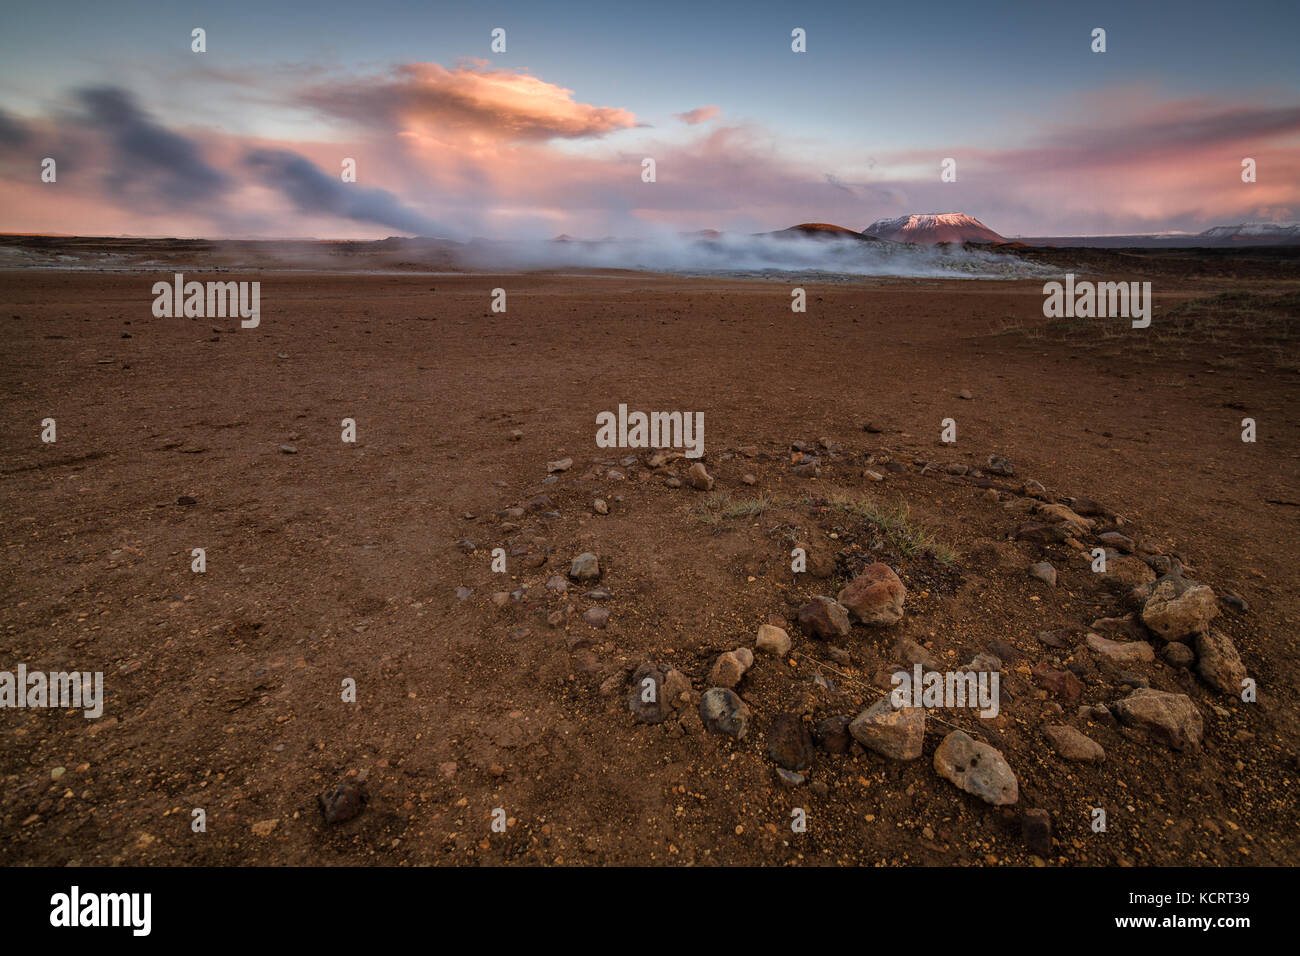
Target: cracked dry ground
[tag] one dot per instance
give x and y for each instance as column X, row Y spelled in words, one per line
column 223, row 689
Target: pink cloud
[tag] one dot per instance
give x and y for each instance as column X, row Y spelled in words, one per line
column 701, row 114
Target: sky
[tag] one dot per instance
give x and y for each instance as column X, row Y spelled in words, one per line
column 453, row 138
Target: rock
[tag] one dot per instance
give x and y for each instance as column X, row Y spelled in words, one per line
column 773, row 640
column 1178, row 608
column 699, row 478
column 646, row 699
column 997, row 465
column 1218, row 662
column 1073, row 745
column 675, row 684
column 1044, row 572
column 897, row 733
column 600, row 506
column 1036, row 832
column 344, row 802
column 598, row 594
column 1170, row 718
column 288, row 449
column 1063, row 515
column 1120, row 542
column 875, row 596
column 789, row 778
column 516, row 434
column 1039, row 533
column 1177, row 655
column 832, row 735
column 1124, row 572
column 807, row 470
column 1062, row 683
column 977, row 768
column 262, row 828
column 748, row 479
column 563, row 464
column 820, row 561
column 597, row 617
column 789, row 744
column 965, row 393
column 1121, row 652
column 727, row 670
column 910, row 652
column 557, row 584
column 585, row 567
column 186, row 500
column 825, row 618
column 1059, row 637
column 722, row 712
column 672, row 482
column 1033, row 489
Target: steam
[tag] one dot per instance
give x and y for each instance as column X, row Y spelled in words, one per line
column 749, row 256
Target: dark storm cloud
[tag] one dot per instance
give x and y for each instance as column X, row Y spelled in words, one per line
column 314, row 191
column 165, row 165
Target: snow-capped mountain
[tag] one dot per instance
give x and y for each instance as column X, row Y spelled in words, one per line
column 1255, row 232
column 930, row 228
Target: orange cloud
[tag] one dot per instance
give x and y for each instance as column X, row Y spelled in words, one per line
column 495, row 104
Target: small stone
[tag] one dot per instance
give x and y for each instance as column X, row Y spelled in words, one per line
column 875, row 596
column 1120, row 542
column 557, row 584
column 748, row 479
column 264, row 828
column 833, row 736
column 898, row 733
column 344, row 802
column 699, row 478
column 1170, row 718
column 1036, row 832
column 789, row 778
column 1044, row 572
column 1121, row 652
column 672, row 482
column 773, row 640
column 597, row 617
column 789, row 744
column 600, row 507
column 646, row 698
column 1218, row 662
column 563, row 464
column 516, row 434
column 824, row 617
column 1073, row 745
column 727, row 671
column 723, row 712
column 585, row 567
column 1177, row 655
column 965, row 394
column 186, row 500
column 58, row 772
column 977, row 768
column 1179, row 608
column 288, row 449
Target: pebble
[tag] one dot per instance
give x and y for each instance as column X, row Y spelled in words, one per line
column 977, row 768
column 789, row 744
column 600, row 507
column 723, row 712
column 585, row 567
column 773, row 640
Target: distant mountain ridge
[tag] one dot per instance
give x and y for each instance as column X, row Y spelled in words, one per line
column 927, row 229
column 1255, row 232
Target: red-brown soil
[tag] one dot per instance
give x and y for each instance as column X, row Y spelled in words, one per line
column 341, row 561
